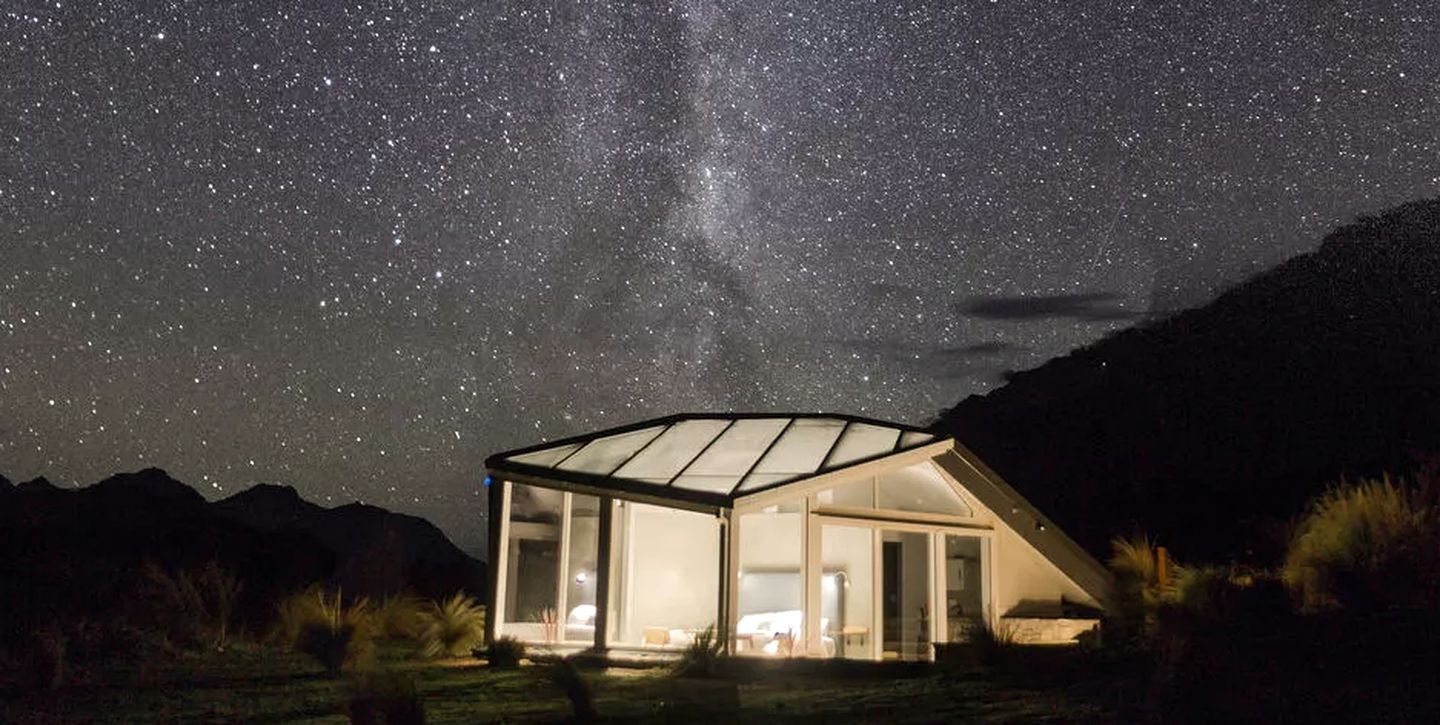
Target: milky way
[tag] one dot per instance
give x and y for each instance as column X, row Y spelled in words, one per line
column 356, row 247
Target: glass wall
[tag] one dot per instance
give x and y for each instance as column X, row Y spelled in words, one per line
column 666, row 583
column 770, row 590
column 965, row 585
column 847, row 591
column 550, row 557
column 532, row 563
column 920, row 489
column 905, row 566
column 580, row 564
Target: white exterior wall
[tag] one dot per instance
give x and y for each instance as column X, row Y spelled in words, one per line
column 1028, row 574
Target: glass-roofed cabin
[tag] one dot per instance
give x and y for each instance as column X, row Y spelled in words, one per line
column 793, row 535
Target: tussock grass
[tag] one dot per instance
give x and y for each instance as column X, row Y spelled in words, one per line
column 452, row 628
column 192, row 607
column 568, row 678
column 702, row 657
column 505, row 653
column 1371, row 544
column 321, row 626
column 992, row 644
column 384, row 697
column 400, row 616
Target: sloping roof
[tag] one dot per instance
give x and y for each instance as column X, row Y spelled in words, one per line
column 711, row 459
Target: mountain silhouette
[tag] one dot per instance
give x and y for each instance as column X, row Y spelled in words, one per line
column 377, row 550
column 1210, row 429
column 78, row 552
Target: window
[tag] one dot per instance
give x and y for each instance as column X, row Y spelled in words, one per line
column 919, row 488
column 771, row 591
column 550, row 566
column 666, row 587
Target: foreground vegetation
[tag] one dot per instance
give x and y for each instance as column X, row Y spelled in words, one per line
column 257, row 684
column 1341, row 628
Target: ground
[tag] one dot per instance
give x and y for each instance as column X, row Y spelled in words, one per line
column 256, row 684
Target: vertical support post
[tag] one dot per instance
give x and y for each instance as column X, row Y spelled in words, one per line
column 562, row 580
column 603, row 572
column 877, row 594
column 812, row 571
column 723, row 614
column 939, row 609
column 989, row 545
column 499, row 503
column 730, row 523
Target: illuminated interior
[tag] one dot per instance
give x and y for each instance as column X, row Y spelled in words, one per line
column 791, row 536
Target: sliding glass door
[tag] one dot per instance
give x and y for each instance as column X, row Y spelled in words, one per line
column 888, row 590
column 905, row 594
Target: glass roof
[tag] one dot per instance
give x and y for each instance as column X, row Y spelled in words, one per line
column 709, row 456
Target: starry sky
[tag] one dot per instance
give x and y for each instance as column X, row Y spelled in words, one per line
column 356, row 247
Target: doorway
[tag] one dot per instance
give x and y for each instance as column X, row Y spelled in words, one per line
column 905, row 594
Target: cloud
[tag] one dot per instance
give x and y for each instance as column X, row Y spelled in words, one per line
column 981, row 349
column 1086, row 306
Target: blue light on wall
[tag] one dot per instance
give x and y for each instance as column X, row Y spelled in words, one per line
column 487, row 482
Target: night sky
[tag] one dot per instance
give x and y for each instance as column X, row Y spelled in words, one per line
column 357, row 247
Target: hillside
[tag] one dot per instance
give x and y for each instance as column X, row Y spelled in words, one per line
column 1211, row 428
column 78, row 552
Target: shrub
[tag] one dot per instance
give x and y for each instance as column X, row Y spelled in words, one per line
column 1140, row 587
column 452, row 628
column 47, row 656
column 702, row 657
column 192, row 607
column 384, row 698
column 324, row 628
column 400, row 617
column 568, row 678
column 1370, row 545
column 505, row 653
column 992, row 644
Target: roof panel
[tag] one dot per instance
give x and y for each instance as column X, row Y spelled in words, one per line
column 674, row 449
column 723, row 483
column 915, row 438
column 737, row 449
column 546, row 457
column 603, row 455
column 860, row 441
column 799, row 451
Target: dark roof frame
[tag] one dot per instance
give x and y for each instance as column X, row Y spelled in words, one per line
column 591, row 482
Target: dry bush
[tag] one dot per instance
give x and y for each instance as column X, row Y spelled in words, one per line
column 505, row 653
column 384, row 698
column 321, row 626
column 1370, row 545
column 400, row 616
column 566, row 676
column 453, row 628
column 702, row 657
column 192, row 606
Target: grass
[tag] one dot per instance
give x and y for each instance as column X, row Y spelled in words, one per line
column 702, row 657
column 505, row 653
column 452, row 628
column 325, row 628
column 1367, row 545
column 250, row 683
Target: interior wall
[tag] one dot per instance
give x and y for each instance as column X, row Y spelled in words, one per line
column 672, row 571
column 771, row 541
column 915, row 590
column 851, row 550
